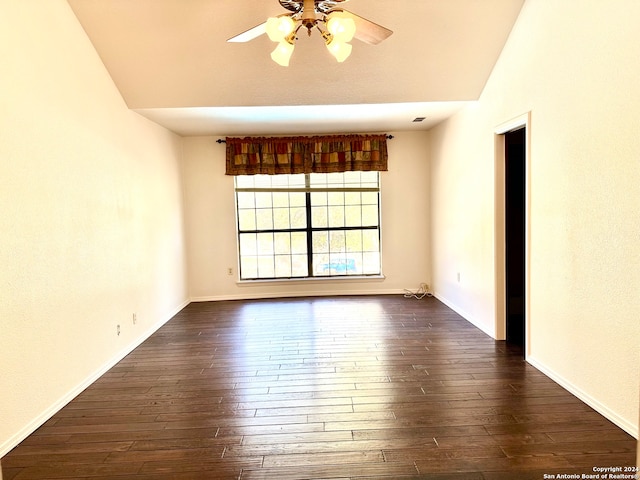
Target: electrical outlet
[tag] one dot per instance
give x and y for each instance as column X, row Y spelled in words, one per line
column 118, row 330
column 230, row 271
column 458, row 277
column 135, row 318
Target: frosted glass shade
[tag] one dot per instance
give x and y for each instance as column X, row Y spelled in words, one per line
column 340, row 50
column 341, row 27
column 279, row 28
column 282, row 54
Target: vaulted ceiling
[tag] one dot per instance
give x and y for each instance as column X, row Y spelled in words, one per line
column 171, row 62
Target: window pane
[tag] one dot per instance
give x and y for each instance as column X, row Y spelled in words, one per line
column 352, row 177
column 249, row 267
column 354, row 240
column 321, row 242
column 246, row 200
column 337, row 242
column 335, row 179
column 353, row 216
column 244, row 181
column 247, row 219
column 369, row 215
column 319, row 198
column 357, row 259
column 319, row 217
column 370, row 241
column 297, row 199
column 263, row 200
column 369, row 198
column 264, row 219
column 299, row 243
column 280, row 199
column 279, row 181
column 266, row 267
column 336, row 216
column 321, row 265
column 336, row 198
column 371, row 263
column 265, row 243
column 298, row 217
column 318, row 179
column 369, row 179
column 283, row 266
column 352, row 198
column 248, row 244
column 299, row 266
column 337, row 258
column 281, row 218
column 340, row 264
column 262, row 181
column 297, row 180
column 282, row 243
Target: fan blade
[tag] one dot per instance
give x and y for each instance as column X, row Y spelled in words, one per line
column 368, row 31
column 250, row 34
column 325, row 6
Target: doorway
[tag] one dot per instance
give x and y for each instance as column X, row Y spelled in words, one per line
column 515, row 169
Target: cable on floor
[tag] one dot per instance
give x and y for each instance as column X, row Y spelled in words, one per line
column 422, row 292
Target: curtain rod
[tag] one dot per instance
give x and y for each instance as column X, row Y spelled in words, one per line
column 220, row 140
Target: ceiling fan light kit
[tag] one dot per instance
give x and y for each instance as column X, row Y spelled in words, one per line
column 339, row 27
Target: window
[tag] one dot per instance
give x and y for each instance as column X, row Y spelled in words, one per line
column 308, row 225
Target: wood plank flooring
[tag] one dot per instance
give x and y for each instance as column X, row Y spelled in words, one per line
column 378, row 387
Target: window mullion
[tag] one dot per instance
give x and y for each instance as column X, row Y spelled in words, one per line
column 273, row 236
column 307, row 183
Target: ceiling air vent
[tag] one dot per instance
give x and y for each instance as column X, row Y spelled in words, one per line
column 418, row 119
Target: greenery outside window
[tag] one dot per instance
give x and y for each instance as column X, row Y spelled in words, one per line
column 308, row 225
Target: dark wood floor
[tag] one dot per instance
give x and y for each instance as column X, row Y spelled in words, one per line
column 326, row 388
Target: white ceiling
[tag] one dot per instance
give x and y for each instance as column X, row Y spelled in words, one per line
column 172, row 64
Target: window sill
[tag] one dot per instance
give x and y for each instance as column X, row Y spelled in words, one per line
column 289, row 281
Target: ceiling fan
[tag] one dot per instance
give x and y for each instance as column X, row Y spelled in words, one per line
column 336, row 26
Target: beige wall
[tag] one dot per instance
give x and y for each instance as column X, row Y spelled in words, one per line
column 91, row 224
column 575, row 66
column 211, row 227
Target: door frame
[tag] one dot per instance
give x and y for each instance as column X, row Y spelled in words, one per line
column 522, row 121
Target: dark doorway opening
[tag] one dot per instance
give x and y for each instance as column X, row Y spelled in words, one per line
column 515, row 221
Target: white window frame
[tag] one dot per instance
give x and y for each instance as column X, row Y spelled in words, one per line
column 346, row 262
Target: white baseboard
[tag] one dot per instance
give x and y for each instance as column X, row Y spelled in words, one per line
column 469, row 318
column 37, row 422
column 258, row 296
column 599, row 407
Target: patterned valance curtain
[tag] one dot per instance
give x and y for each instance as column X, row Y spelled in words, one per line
column 286, row 155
